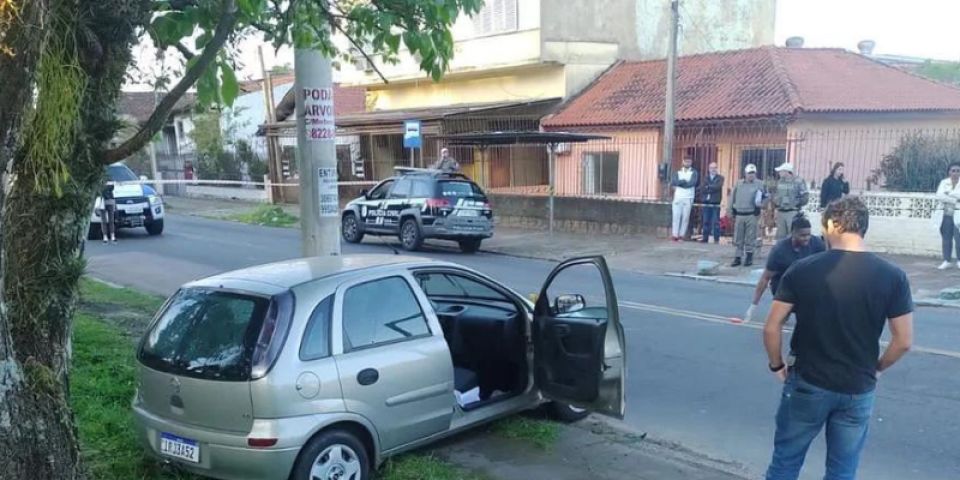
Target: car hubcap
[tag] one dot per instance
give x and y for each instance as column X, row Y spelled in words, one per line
column 350, row 227
column 336, row 462
column 409, row 234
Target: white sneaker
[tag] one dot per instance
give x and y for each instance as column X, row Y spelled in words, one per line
column 944, row 266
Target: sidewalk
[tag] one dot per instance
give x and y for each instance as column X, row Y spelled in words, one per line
column 589, row 449
column 639, row 253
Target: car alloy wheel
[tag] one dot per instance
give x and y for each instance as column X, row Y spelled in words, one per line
column 410, row 235
column 351, row 229
column 336, row 462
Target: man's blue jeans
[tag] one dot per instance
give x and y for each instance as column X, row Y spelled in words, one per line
column 711, row 223
column 804, row 410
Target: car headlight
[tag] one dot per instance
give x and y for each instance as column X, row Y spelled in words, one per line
column 154, row 200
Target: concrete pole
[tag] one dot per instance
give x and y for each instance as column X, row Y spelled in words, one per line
column 552, row 173
column 316, row 154
column 670, row 110
column 154, row 171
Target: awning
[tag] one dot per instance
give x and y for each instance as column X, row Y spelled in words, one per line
column 517, row 138
column 391, row 121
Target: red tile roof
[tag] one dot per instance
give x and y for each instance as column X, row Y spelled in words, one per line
column 140, row 105
column 759, row 82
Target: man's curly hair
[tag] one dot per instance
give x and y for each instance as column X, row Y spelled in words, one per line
column 850, row 214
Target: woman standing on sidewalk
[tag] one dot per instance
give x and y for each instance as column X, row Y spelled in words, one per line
column 949, row 194
column 834, row 187
column 108, row 214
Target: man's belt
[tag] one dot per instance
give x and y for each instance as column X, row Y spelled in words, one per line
column 786, row 210
column 752, row 213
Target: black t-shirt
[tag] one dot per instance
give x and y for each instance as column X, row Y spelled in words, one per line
column 784, row 255
column 842, row 301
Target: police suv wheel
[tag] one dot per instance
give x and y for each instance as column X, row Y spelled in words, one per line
column 410, row 236
column 350, row 229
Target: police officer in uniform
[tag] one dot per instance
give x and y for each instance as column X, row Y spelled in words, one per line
column 745, row 202
column 791, row 196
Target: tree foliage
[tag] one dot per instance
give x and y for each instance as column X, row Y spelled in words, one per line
column 947, row 72
column 918, row 163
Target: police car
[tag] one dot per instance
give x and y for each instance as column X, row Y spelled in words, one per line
column 418, row 204
column 138, row 205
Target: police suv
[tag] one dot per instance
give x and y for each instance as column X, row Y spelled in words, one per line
column 138, row 204
column 418, row 204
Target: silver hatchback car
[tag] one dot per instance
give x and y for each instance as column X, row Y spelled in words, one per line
column 322, row 368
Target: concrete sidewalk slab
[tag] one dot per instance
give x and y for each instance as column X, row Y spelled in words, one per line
column 591, row 449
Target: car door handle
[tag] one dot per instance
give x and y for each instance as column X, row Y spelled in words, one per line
column 561, row 330
column 368, row 376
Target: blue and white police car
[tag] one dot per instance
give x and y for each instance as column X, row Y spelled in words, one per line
column 138, row 204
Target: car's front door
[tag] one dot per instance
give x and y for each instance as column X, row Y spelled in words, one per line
column 373, row 207
column 394, row 365
column 579, row 347
column 398, row 200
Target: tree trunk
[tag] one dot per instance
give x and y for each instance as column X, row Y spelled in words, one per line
column 41, row 233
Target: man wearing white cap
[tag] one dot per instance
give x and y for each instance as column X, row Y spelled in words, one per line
column 745, row 202
column 791, row 196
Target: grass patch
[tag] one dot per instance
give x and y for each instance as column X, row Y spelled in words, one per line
column 267, row 216
column 94, row 294
column 542, row 433
column 101, row 388
column 423, row 467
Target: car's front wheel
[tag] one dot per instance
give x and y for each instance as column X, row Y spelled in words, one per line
column 350, row 229
column 410, row 236
column 567, row 413
column 471, row 245
column 155, row 227
column 333, row 455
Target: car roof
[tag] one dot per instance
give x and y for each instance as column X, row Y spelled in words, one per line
column 276, row 277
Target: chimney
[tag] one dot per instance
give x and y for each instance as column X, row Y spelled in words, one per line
column 866, row 47
column 795, row 42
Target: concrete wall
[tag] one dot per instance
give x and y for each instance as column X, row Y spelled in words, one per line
column 582, row 215
column 708, row 26
column 229, row 193
column 249, row 111
column 908, row 236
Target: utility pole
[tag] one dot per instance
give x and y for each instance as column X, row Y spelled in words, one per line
column 670, row 110
column 316, row 154
column 154, row 171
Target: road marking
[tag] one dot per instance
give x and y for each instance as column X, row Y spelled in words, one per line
column 738, row 322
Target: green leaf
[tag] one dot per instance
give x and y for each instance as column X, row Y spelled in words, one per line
column 229, row 87
column 207, row 87
column 412, row 41
column 202, row 40
column 393, row 41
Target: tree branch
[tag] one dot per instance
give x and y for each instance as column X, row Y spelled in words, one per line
column 162, row 112
column 184, row 50
column 362, row 52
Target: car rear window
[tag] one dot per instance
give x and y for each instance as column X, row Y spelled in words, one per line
column 456, row 189
column 207, row 334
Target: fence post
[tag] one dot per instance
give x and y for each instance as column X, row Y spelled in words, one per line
column 268, row 187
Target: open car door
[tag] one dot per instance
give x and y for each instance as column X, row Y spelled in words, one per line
column 579, row 347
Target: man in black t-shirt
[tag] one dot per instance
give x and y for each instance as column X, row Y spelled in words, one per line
column 842, row 298
column 800, row 244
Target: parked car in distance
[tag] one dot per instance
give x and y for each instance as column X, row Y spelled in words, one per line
column 322, row 368
column 419, row 204
column 138, row 204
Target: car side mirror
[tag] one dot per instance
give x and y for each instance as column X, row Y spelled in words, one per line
column 569, row 303
column 365, row 194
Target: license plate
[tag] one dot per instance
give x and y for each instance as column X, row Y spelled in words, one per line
column 179, row 447
column 135, row 210
column 468, row 213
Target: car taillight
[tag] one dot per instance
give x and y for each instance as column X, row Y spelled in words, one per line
column 272, row 335
column 261, row 442
column 438, row 202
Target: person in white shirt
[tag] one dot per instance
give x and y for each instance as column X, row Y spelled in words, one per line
column 685, row 183
column 949, row 194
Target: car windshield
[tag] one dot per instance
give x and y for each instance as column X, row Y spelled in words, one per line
column 207, row 334
column 456, row 189
column 120, row 173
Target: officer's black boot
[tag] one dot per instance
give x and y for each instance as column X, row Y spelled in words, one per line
column 749, row 260
column 736, row 262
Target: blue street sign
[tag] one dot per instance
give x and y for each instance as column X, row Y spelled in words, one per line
column 411, row 134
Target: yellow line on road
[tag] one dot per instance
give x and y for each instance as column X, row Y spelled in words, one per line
column 737, row 322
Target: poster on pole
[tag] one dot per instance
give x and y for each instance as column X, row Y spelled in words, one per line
column 327, row 191
column 318, row 114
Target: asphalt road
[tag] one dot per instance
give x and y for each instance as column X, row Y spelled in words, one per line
column 695, row 378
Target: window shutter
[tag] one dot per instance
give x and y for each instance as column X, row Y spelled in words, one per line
column 509, row 15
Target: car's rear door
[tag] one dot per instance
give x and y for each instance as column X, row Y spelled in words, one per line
column 395, row 367
column 579, row 346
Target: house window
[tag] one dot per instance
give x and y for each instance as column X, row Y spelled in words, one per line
column 601, row 173
column 765, row 158
column 496, row 16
